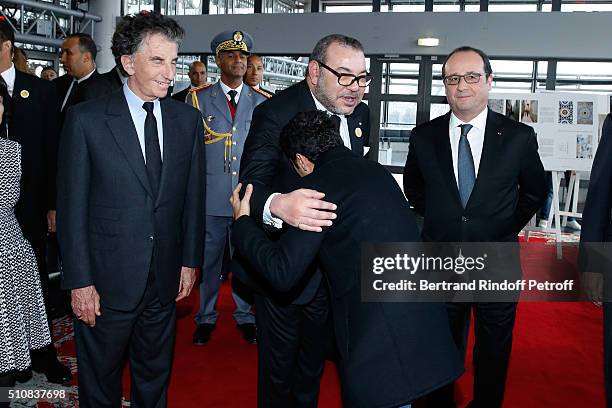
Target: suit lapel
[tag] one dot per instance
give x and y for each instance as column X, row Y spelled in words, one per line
column 492, row 138
column 445, row 158
column 244, row 102
column 170, row 146
column 122, row 127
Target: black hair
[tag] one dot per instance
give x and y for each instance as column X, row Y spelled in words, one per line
column 319, row 53
column 48, row 68
column 86, row 44
column 310, row 134
column 485, row 59
column 132, row 30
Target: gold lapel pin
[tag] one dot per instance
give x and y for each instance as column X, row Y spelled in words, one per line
column 24, row 93
column 358, row 132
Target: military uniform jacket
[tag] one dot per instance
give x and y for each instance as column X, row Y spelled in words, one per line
column 223, row 154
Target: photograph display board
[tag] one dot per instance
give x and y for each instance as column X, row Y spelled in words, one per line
column 566, row 124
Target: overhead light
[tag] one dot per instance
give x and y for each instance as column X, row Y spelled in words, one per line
column 428, row 42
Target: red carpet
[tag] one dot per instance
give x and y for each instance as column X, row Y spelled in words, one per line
column 556, row 358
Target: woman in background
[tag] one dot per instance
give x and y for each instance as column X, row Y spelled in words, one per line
column 23, row 321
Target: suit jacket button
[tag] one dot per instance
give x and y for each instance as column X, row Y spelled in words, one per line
column 151, row 238
column 465, row 219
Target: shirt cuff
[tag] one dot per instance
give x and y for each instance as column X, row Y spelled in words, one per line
column 268, row 218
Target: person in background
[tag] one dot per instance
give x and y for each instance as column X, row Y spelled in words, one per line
column 20, row 59
column 79, row 60
column 197, row 76
column 24, row 324
column 48, row 73
column 226, row 107
column 34, row 125
column 254, row 73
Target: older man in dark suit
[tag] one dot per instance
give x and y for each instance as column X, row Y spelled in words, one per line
column 475, row 175
column 130, row 204
column 291, row 325
column 390, row 353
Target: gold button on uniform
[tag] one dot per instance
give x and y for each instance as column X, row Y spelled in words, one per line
column 234, row 143
column 234, row 173
column 234, row 158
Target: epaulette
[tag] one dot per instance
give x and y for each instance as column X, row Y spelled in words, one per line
column 259, row 91
column 199, row 88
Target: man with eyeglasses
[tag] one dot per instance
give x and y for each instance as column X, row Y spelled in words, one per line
column 291, row 326
column 475, row 176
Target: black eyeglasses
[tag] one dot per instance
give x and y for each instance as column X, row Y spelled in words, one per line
column 349, row 79
column 469, row 78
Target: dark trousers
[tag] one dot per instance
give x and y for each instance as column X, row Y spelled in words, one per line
column 291, row 348
column 146, row 334
column 493, row 324
column 607, row 341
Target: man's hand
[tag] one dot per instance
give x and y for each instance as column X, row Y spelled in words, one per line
column 51, row 221
column 304, row 209
column 188, row 278
column 241, row 207
column 592, row 285
column 86, row 304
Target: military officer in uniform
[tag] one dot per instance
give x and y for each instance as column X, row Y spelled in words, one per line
column 226, row 109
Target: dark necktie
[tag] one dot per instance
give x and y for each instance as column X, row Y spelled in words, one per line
column 152, row 150
column 465, row 166
column 232, row 95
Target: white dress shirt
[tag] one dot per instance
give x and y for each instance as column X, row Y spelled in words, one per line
column 226, row 89
column 475, row 137
column 9, row 78
column 139, row 115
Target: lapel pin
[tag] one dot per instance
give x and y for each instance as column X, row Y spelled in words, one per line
column 358, row 132
column 24, row 93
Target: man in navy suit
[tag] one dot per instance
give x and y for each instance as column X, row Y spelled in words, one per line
column 131, row 193
column 291, row 325
column 476, row 176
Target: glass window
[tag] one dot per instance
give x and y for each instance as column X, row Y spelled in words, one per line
column 184, row 7
column 136, row 6
column 505, row 8
column 403, row 86
column 438, row 109
column 584, row 70
column 446, row 7
column 590, row 88
column 346, row 9
column 395, row 131
column 409, row 7
column 511, row 86
column 285, row 6
column 586, row 7
column 512, row 69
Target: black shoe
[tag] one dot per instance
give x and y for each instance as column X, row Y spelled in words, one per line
column 202, row 333
column 249, row 332
column 55, row 371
